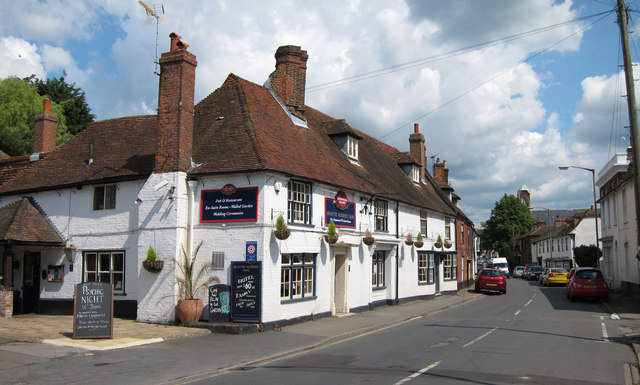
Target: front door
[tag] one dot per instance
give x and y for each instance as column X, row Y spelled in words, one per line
column 340, row 284
column 30, row 282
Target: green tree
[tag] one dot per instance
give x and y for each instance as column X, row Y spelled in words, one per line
column 19, row 103
column 510, row 218
column 72, row 99
column 587, row 256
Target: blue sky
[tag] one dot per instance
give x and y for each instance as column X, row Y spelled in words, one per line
column 499, row 119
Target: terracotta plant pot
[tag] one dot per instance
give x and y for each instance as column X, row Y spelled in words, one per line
column 418, row 244
column 282, row 234
column 331, row 239
column 153, row 266
column 189, row 310
column 368, row 240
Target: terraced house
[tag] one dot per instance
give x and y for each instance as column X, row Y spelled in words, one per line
column 219, row 173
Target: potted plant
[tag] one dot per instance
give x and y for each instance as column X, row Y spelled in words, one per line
column 419, row 242
column 191, row 283
column 281, row 232
column 409, row 240
column 152, row 264
column 368, row 238
column 438, row 243
column 332, row 234
column 447, row 243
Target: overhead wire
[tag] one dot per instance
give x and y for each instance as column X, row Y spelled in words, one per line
column 529, row 58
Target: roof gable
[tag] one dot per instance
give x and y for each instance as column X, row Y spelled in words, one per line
column 21, row 221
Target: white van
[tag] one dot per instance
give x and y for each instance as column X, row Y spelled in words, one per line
column 501, row 264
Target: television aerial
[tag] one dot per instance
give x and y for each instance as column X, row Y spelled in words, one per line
column 155, row 11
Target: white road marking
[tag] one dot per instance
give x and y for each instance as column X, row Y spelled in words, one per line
column 419, row 372
column 528, row 302
column 516, row 313
column 605, row 335
column 479, row 338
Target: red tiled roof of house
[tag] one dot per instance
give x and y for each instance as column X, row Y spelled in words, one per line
column 120, row 149
column 240, row 127
column 22, row 221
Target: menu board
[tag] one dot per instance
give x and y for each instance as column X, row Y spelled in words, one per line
column 245, row 291
column 93, row 310
column 219, row 303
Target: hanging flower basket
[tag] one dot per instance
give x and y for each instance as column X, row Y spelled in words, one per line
column 331, row 239
column 418, row 244
column 282, row 234
column 447, row 243
column 153, row 266
column 368, row 240
column 437, row 245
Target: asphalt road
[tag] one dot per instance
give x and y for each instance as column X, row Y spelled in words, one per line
column 531, row 335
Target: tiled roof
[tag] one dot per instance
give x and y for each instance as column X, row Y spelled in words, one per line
column 239, row 127
column 120, row 149
column 3, row 155
column 22, row 222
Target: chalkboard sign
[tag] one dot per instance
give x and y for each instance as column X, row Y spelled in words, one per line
column 245, row 291
column 219, row 303
column 93, row 310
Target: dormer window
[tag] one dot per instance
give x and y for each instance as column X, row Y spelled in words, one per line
column 352, row 147
column 415, row 174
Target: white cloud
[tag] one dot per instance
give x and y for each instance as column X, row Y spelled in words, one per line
column 19, row 58
column 56, row 58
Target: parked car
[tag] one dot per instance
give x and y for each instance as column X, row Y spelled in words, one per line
column 491, row 280
column 554, row 276
column 518, row 271
column 534, row 273
column 587, row 282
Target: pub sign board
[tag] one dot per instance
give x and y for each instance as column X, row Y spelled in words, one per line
column 246, row 291
column 93, row 310
column 341, row 211
column 229, row 204
column 219, row 303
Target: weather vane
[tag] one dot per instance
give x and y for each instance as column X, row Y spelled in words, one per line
column 156, row 11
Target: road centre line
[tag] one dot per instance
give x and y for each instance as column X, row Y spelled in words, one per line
column 528, row 302
column 605, row 335
column 419, row 372
column 516, row 313
column 479, row 338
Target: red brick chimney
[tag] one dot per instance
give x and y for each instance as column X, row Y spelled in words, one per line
column 175, row 107
column 438, row 170
column 44, row 130
column 417, row 149
column 288, row 81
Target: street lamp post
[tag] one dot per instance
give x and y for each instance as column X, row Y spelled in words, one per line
column 595, row 207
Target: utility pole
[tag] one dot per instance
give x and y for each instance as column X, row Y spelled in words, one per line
column 633, row 114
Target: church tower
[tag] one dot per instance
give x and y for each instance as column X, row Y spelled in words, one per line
column 524, row 195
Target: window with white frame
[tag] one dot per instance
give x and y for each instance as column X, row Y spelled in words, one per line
column 104, row 197
column 447, row 228
column 352, row 147
column 297, row 276
column 423, row 222
column 381, row 214
column 614, row 209
column 415, row 173
column 105, row 266
column 450, row 267
column 299, row 200
column 425, row 268
column 377, row 269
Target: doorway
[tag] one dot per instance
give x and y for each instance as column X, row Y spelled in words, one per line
column 340, row 305
column 30, row 282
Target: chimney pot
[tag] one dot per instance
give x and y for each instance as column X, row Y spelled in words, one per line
column 47, row 105
column 175, row 38
column 416, row 128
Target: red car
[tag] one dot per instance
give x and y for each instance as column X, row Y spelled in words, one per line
column 587, row 282
column 491, row 279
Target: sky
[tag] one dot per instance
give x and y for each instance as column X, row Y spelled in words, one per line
column 504, row 91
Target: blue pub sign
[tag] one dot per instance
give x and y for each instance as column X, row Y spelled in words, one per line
column 229, row 204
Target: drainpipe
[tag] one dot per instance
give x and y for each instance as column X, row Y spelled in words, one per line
column 192, row 185
column 397, row 251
